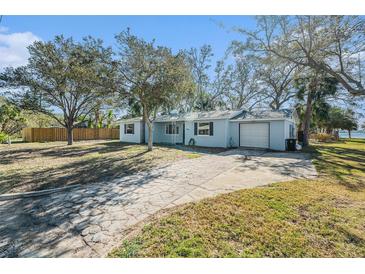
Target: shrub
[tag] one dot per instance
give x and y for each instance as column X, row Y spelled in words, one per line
column 3, row 138
column 323, row 137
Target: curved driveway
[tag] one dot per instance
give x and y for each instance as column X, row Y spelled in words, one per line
column 90, row 220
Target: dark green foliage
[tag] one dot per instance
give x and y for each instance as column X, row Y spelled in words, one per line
column 151, row 77
column 313, row 90
column 11, row 120
column 64, row 76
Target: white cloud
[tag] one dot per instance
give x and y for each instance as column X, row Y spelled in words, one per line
column 13, row 47
column 3, row 29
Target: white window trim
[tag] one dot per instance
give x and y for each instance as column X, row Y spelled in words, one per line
column 171, row 133
column 133, row 129
column 204, row 135
column 291, row 130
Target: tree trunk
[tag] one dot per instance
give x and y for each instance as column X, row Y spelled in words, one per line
column 307, row 120
column 149, row 125
column 336, row 134
column 97, row 117
column 70, row 137
column 349, row 134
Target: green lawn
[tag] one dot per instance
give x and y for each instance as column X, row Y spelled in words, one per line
column 36, row 166
column 324, row 217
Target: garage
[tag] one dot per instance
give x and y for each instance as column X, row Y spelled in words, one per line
column 254, row 135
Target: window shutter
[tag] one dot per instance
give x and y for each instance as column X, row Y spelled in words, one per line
column 125, row 128
column 195, row 128
column 211, row 128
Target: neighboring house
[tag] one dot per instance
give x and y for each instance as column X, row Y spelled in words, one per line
column 257, row 129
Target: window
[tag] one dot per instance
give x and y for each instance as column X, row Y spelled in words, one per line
column 129, row 129
column 291, row 131
column 172, row 129
column 203, row 129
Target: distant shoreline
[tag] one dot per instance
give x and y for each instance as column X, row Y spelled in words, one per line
column 354, row 134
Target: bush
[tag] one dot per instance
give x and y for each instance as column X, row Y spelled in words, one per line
column 3, row 138
column 323, row 137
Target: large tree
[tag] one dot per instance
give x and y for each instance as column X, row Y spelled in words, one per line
column 312, row 87
column 331, row 44
column 276, row 81
column 63, row 76
column 349, row 122
column 339, row 118
column 152, row 76
column 199, row 60
column 218, row 87
column 243, row 90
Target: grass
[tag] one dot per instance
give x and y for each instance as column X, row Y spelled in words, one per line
column 36, row 166
column 324, row 217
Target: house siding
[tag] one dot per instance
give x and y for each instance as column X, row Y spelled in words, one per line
column 233, row 134
column 226, row 133
column 131, row 138
column 277, row 135
column 287, row 129
column 161, row 137
column 219, row 138
column 276, row 138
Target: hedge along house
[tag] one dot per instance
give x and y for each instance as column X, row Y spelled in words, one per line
column 257, row 129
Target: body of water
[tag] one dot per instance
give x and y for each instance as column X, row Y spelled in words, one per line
column 354, row 134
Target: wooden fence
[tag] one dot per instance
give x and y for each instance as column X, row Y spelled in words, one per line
column 60, row 134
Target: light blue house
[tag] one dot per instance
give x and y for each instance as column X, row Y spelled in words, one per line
column 257, row 129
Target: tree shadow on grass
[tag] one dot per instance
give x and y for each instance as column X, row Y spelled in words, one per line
column 345, row 164
column 94, row 169
column 12, row 154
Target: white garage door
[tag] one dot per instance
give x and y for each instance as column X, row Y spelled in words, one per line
column 254, row 135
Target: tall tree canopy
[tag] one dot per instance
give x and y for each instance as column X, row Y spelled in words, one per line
column 199, row 60
column 231, row 84
column 276, row 81
column 339, row 118
column 243, row 80
column 63, row 75
column 152, row 76
column 331, row 44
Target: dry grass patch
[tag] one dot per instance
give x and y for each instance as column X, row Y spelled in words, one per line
column 35, row 166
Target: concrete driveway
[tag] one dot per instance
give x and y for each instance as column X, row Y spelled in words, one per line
column 90, row 220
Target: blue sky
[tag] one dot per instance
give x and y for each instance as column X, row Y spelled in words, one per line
column 176, row 32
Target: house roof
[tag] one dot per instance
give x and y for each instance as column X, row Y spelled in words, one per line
column 131, row 120
column 265, row 114
column 203, row 115
column 220, row 114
